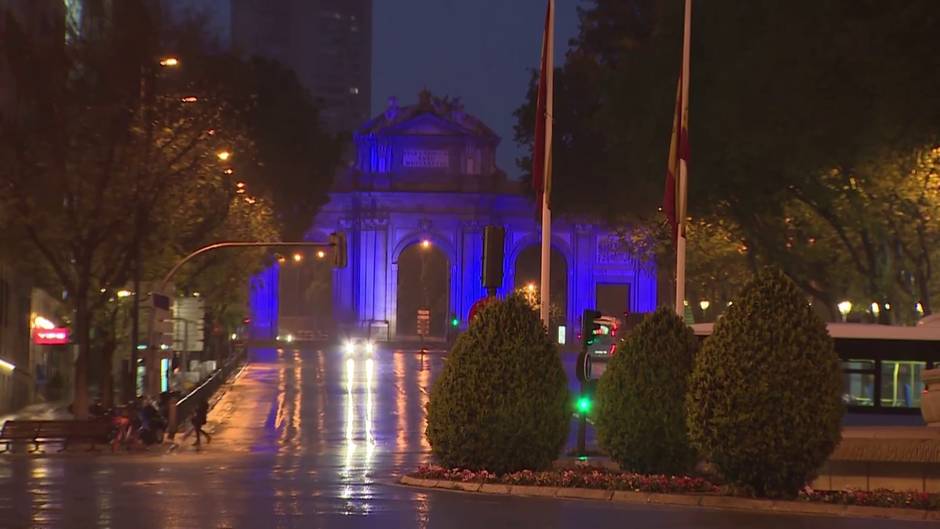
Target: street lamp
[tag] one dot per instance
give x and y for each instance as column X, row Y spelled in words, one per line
column 425, row 244
column 875, row 308
column 123, row 293
column 298, row 257
column 321, row 254
column 169, row 62
column 845, row 307
column 223, row 155
column 704, row 304
column 530, row 287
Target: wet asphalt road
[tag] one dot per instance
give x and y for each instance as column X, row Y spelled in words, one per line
column 312, row 439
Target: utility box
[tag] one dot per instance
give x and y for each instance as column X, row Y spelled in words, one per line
column 930, row 399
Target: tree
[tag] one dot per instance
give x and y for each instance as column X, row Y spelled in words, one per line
column 94, row 152
column 764, row 402
column 641, row 397
column 769, row 121
column 295, row 158
column 501, row 403
column 221, row 277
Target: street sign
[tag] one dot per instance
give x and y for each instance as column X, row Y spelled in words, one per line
column 478, row 306
column 424, row 322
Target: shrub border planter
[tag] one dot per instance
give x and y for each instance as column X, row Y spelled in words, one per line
column 708, row 501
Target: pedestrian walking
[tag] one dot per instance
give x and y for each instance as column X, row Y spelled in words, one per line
column 199, row 420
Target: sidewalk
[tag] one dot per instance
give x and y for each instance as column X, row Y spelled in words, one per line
column 180, row 441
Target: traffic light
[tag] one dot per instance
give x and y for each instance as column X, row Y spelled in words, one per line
column 589, row 329
column 454, row 321
column 583, row 404
column 338, row 243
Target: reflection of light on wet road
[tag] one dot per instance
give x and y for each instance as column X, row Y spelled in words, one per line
column 370, row 435
column 401, row 409
column 289, row 423
column 357, row 468
column 350, row 415
column 424, row 382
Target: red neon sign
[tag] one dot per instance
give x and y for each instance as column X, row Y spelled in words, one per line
column 57, row 336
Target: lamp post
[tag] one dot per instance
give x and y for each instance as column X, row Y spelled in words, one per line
column 147, row 95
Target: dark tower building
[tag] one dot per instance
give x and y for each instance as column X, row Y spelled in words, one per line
column 328, row 43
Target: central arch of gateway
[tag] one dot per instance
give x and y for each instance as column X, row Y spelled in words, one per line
column 423, row 186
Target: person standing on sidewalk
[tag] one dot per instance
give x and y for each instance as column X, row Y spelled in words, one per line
column 199, row 419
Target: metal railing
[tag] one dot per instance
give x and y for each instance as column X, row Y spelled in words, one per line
column 187, row 405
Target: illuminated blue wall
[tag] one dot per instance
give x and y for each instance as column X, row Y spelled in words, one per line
column 263, row 303
column 427, row 172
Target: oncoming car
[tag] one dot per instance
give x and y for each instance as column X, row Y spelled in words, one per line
column 358, row 346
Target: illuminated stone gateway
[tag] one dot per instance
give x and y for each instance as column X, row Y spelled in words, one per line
column 423, row 186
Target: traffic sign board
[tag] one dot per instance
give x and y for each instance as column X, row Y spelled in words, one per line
column 424, row 322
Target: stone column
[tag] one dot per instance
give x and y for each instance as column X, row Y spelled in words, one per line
column 344, row 279
column 471, row 269
column 585, row 255
column 372, row 267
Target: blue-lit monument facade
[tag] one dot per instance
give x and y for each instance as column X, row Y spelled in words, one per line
column 425, row 181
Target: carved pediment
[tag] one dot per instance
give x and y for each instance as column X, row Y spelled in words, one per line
column 431, row 116
column 429, row 125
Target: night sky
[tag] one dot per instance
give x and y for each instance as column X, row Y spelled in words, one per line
column 480, row 50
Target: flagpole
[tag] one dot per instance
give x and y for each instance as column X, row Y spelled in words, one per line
column 545, row 272
column 683, row 168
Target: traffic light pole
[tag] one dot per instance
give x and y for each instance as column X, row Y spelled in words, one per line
column 152, row 386
column 582, row 427
column 583, row 373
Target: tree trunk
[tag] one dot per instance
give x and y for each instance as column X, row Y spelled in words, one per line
column 82, row 317
column 107, row 375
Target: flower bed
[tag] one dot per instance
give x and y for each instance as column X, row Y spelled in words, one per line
column 598, row 478
column 588, row 478
column 875, row 498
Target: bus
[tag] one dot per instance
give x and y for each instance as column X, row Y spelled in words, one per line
column 882, row 365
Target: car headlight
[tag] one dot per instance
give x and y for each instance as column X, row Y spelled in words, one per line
column 370, row 347
column 349, row 347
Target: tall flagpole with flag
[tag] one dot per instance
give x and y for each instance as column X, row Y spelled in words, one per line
column 542, row 154
column 675, row 199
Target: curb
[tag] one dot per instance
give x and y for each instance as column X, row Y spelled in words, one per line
column 704, row 501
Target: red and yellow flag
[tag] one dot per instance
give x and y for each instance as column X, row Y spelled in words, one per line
column 674, row 199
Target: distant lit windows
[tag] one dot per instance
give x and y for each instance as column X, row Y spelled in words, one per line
column 354, row 90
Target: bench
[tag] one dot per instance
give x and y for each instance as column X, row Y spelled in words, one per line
column 61, row 431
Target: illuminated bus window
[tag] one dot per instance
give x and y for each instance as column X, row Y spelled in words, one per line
column 858, row 381
column 901, row 383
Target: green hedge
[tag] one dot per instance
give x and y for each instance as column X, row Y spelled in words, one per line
column 501, row 403
column 764, row 403
column 641, row 397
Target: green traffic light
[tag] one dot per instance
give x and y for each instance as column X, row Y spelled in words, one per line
column 584, row 404
column 454, row 322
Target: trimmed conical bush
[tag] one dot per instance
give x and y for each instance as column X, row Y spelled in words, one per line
column 641, row 397
column 764, row 402
column 501, row 403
